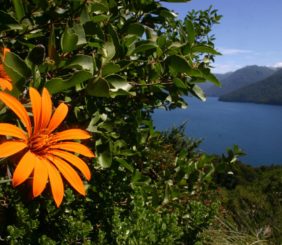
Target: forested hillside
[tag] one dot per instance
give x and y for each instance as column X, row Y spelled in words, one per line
column 266, row 91
column 238, row 79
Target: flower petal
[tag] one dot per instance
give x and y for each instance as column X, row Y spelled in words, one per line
column 8, row 129
column 5, row 51
column 36, row 108
column 58, row 116
column 5, row 83
column 46, row 110
column 11, row 102
column 70, row 134
column 69, row 173
column 24, row 168
column 10, row 148
column 40, row 176
column 56, row 183
column 74, row 160
column 73, row 147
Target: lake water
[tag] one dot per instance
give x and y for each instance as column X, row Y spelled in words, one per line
column 256, row 128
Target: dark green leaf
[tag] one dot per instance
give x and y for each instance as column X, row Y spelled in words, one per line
column 37, row 54
column 144, row 47
column 179, row 83
column 58, row 84
column 125, row 164
column 98, row 87
column 191, row 31
column 8, row 22
column 136, row 29
column 100, row 18
column 178, row 64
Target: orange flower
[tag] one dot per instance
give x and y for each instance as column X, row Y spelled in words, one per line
column 46, row 155
column 5, row 80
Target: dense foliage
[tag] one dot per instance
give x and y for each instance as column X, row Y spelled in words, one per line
column 252, row 199
column 265, row 91
column 112, row 62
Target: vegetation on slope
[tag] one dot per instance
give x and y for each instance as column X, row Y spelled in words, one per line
column 240, row 78
column 266, row 91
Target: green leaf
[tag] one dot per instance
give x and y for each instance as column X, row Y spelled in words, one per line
column 179, row 83
column 125, row 164
column 105, row 159
column 58, row 84
column 8, row 22
column 136, row 29
column 118, row 82
column 212, row 78
column 98, row 87
column 191, row 31
column 144, row 47
column 19, row 9
column 80, row 61
column 99, row 8
column 204, row 49
column 69, row 40
column 110, row 68
column 178, row 64
column 37, row 54
column 109, row 51
column 16, row 68
column 100, row 18
column 79, row 31
column 197, row 91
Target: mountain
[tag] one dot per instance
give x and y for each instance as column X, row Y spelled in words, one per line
column 239, row 78
column 267, row 91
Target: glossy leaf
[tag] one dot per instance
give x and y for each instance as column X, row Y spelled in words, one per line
column 80, row 61
column 69, row 40
column 144, row 47
column 196, row 90
column 98, row 87
column 178, row 64
column 57, row 85
column 16, row 68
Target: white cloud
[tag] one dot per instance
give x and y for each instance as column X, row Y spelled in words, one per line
column 277, row 65
column 224, row 68
column 234, row 51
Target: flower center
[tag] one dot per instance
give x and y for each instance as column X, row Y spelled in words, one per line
column 40, row 142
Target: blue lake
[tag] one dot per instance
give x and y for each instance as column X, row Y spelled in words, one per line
column 256, row 128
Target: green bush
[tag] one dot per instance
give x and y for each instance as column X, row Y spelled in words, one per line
column 111, row 63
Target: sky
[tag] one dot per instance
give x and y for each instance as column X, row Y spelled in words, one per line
column 250, row 31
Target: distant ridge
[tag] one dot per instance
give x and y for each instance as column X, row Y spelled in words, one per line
column 238, row 79
column 266, row 91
